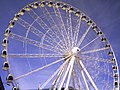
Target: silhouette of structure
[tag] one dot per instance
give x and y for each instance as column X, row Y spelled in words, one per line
column 1, row 85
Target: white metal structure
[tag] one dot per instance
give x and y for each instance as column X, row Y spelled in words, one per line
column 51, row 44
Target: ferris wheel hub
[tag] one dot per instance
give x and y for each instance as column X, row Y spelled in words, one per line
column 76, row 52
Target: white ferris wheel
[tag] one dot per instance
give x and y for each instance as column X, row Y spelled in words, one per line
column 51, row 44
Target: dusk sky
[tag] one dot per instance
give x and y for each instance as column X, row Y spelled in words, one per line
column 106, row 14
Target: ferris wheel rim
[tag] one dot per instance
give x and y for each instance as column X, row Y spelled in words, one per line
column 80, row 41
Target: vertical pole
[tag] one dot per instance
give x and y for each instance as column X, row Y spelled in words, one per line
column 1, row 85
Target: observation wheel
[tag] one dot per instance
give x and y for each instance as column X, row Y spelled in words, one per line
column 53, row 45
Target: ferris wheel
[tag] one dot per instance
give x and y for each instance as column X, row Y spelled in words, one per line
column 51, row 44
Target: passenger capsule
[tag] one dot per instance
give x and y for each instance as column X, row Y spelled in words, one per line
column 94, row 27
column 112, row 60
column 28, row 8
column 110, row 53
column 22, row 12
column 107, row 45
column 6, row 66
column 16, row 17
column 42, row 4
column 89, row 22
column 83, row 17
column 35, row 5
column 71, row 9
column 50, row 4
column 77, row 13
column 99, row 33
column 15, row 88
column 7, row 32
column 9, row 78
column 103, row 39
column 4, row 53
column 116, row 84
column 64, row 7
column 57, row 5
column 11, row 25
column 114, row 68
column 4, row 43
column 116, row 75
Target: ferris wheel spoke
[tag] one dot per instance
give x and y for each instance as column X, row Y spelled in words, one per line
column 83, row 36
column 89, row 43
column 61, row 25
column 37, row 32
column 77, row 29
column 88, row 75
column 98, row 59
column 46, row 28
column 38, row 69
column 53, row 24
column 33, row 55
column 69, row 28
column 95, row 50
column 33, row 42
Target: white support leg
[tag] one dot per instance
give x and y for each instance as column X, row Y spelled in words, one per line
column 70, row 72
column 57, row 80
column 91, row 80
column 63, row 80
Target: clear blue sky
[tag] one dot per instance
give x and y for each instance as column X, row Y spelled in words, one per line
column 106, row 13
